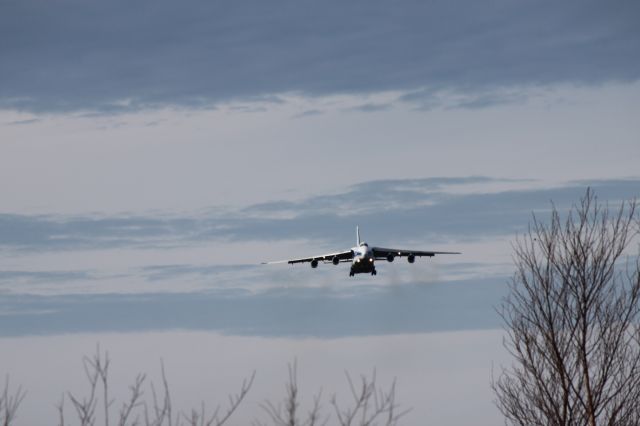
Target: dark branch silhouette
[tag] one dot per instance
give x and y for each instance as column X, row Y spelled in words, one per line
column 572, row 321
column 286, row 414
column 200, row 418
column 135, row 410
column 371, row 405
column 9, row 403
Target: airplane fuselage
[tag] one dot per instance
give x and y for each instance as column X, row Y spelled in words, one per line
column 363, row 260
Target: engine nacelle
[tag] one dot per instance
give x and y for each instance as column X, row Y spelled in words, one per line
column 411, row 258
column 335, row 260
column 390, row 257
column 314, row 263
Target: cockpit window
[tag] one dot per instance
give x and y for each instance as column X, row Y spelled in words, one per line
column 364, row 244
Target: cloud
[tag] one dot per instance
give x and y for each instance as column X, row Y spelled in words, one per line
column 371, row 107
column 292, row 311
column 118, row 56
column 488, row 100
column 165, row 272
column 24, row 122
column 43, row 276
column 398, row 210
column 308, row 113
column 428, row 99
column 43, row 232
column 102, row 295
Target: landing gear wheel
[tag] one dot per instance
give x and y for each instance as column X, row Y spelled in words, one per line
column 351, row 274
column 374, row 272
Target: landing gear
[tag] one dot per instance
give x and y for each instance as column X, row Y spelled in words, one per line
column 373, row 272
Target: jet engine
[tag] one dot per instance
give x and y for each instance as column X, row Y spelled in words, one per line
column 314, row 263
column 390, row 257
column 411, row 258
column 335, row 260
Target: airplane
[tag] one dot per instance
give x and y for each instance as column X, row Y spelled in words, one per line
column 363, row 257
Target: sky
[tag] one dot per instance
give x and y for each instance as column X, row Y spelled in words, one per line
column 153, row 154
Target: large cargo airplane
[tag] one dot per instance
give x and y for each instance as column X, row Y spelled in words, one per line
column 363, row 257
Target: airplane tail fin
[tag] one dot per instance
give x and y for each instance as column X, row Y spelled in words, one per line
column 357, row 236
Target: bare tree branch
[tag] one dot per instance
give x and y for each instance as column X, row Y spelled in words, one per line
column 9, row 403
column 134, row 400
column 85, row 408
column 572, row 321
column 161, row 412
column 60, row 407
column 370, row 404
column 287, row 415
column 100, row 365
column 200, row 418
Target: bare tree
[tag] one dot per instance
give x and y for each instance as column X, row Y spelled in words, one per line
column 96, row 371
column 572, row 320
column 86, row 406
column 218, row 418
column 9, row 403
column 161, row 412
column 286, row 414
column 371, row 405
column 129, row 405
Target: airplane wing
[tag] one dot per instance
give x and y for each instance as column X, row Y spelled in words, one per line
column 342, row 256
column 382, row 253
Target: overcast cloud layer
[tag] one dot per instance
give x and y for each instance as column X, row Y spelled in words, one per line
column 122, row 55
column 153, row 153
column 299, row 312
column 92, row 274
column 391, row 210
